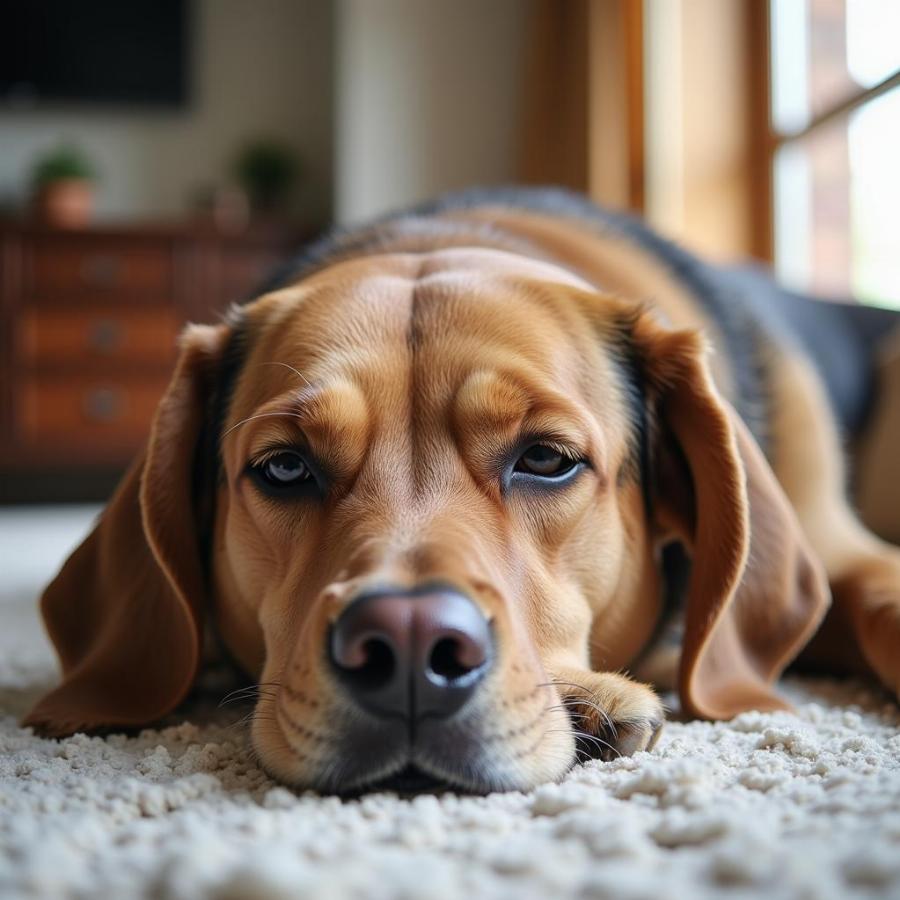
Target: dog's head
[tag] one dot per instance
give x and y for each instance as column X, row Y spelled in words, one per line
column 412, row 489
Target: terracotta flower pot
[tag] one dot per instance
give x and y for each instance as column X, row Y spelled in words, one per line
column 67, row 203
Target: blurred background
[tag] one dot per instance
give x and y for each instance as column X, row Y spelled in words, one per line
column 158, row 157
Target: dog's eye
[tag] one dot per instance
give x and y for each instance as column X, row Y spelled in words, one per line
column 285, row 474
column 284, row 469
column 545, row 461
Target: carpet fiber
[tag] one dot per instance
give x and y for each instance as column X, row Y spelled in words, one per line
column 772, row 805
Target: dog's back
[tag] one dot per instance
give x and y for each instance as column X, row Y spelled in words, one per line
column 752, row 316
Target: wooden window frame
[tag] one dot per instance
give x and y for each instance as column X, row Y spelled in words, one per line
column 583, row 117
column 771, row 140
column 611, row 109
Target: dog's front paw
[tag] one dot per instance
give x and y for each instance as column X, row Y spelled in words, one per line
column 611, row 715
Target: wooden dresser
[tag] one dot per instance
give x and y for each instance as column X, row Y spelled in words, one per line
column 88, row 323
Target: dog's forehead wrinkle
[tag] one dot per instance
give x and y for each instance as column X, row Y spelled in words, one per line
column 435, row 302
column 452, row 326
column 415, row 335
column 487, row 263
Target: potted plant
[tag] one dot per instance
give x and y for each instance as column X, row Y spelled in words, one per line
column 63, row 187
column 266, row 170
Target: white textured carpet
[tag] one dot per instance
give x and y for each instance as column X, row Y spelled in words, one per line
column 766, row 805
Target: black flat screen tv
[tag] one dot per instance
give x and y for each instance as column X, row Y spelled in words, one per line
column 77, row 52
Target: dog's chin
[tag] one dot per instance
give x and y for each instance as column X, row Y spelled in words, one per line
column 428, row 768
column 411, row 774
column 365, row 756
column 408, row 774
column 408, row 781
column 412, row 777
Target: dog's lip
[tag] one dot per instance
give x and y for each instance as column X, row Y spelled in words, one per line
column 411, row 779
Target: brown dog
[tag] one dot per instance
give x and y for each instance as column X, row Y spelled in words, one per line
column 423, row 491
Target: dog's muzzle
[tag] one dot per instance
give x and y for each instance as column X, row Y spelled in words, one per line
column 411, row 654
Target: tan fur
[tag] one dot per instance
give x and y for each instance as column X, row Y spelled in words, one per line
column 409, row 373
column 863, row 631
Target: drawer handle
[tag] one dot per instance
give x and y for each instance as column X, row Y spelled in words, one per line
column 101, row 270
column 103, row 405
column 106, row 336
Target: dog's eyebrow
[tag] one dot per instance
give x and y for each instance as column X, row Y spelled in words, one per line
column 290, row 404
column 282, row 414
column 491, row 395
column 330, row 419
column 297, row 372
column 502, row 402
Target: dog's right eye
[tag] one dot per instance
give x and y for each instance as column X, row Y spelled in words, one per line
column 285, row 468
column 281, row 471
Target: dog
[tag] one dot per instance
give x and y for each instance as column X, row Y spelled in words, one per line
column 456, row 473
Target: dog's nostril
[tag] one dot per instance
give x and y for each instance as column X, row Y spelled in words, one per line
column 380, row 663
column 452, row 659
column 448, row 660
column 372, row 662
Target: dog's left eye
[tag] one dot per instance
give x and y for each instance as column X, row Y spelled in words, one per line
column 284, row 469
column 545, row 462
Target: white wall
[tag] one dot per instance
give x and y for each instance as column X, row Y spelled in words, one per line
column 387, row 101
column 259, row 67
column 427, row 98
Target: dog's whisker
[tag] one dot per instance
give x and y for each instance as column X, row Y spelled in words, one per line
column 571, row 715
column 253, row 687
column 574, row 702
column 246, row 693
column 562, row 705
column 602, row 713
column 272, row 415
column 243, row 720
column 286, row 366
column 242, row 694
column 549, row 754
column 584, row 689
column 584, row 736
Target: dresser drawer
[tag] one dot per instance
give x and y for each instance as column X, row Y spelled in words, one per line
column 59, row 267
column 55, row 336
column 83, row 411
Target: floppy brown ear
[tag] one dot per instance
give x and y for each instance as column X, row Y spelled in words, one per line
column 756, row 593
column 125, row 612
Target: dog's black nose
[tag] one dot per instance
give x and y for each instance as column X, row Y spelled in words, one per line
column 411, row 653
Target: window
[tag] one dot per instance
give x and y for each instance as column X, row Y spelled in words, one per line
column 835, row 148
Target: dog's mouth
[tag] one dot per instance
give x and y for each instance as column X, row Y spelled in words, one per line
column 410, row 780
